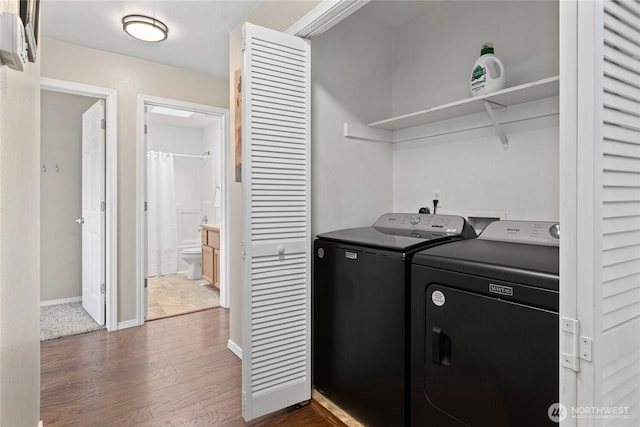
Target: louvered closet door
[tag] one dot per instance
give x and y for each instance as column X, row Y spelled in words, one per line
column 620, row 295
column 276, row 361
column 602, row 192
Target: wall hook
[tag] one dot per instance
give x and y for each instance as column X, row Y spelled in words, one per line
column 44, row 167
column 57, row 168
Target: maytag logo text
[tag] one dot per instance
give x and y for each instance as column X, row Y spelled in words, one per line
column 500, row 289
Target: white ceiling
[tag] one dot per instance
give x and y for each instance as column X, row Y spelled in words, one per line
column 198, row 32
column 198, row 29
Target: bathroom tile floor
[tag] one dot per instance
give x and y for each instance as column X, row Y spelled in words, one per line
column 174, row 294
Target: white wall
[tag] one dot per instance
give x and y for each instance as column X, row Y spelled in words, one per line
column 19, row 242
column 432, row 59
column 476, row 177
column 194, row 177
column 61, row 194
column 363, row 72
column 433, row 54
column 213, row 170
column 351, row 181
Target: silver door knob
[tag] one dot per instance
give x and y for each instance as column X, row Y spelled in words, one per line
column 80, row 220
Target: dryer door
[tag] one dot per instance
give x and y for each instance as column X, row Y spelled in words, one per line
column 488, row 361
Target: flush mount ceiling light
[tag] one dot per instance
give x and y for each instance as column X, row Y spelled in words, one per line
column 144, row 28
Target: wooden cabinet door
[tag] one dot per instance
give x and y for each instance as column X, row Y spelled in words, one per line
column 213, row 239
column 216, row 268
column 207, row 264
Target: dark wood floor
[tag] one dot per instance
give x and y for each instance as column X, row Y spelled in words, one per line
column 170, row 372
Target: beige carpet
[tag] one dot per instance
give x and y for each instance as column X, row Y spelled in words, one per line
column 174, row 294
column 65, row 319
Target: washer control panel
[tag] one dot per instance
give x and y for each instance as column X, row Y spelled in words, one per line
column 545, row 233
column 421, row 222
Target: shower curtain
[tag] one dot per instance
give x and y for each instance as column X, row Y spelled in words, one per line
column 162, row 228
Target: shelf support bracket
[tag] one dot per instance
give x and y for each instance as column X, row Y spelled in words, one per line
column 496, row 125
column 366, row 133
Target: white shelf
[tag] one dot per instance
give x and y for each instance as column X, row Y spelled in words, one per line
column 514, row 95
column 527, row 92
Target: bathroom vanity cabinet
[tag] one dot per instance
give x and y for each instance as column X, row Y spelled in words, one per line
column 211, row 254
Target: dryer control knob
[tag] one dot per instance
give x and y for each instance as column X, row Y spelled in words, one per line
column 554, row 230
column 415, row 219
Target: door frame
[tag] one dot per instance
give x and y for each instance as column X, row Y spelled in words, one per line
column 110, row 97
column 329, row 12
column 574, row 206
column 141, row 185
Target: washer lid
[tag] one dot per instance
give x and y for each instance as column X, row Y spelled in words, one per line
column 398, row 240
column 403, row 231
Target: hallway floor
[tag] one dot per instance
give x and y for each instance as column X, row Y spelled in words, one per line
column 174, row 294
column 170, row 372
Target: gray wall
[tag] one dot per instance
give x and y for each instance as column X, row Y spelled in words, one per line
column 434, row 53
column 61, row 194
column 351, row 180
column 433, row 56
column 19, row 243
column 364, row 72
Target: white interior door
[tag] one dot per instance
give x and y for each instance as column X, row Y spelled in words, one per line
column 145, row 228
column 93, row 211
column 276, row 319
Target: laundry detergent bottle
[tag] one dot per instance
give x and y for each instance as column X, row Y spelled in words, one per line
column 488, row 73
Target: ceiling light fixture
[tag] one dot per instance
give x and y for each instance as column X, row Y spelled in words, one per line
column 144, row 28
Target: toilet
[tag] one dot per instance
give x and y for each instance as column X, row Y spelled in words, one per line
column 193, row 257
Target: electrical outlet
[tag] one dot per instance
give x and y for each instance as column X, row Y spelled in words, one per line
column 437, row 195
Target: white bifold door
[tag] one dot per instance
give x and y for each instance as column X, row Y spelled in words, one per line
column 600, row 213
column 276, row 357
column 93, row 211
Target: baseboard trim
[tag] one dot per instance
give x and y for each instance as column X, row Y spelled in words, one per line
column 127, row 324
column 235, row 349
column 60, row 301
column 41, row 424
